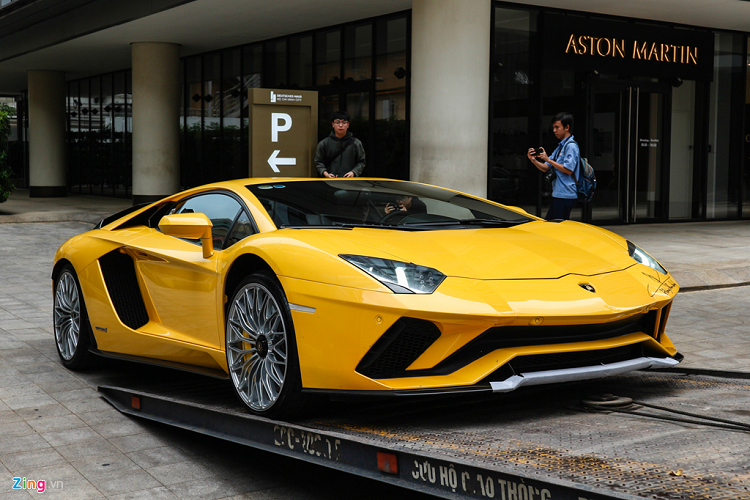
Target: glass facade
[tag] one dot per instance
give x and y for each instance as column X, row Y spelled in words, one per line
column 746, row 141
column 726, row 117
column 17, row 143
column 360, row 67
column 512, row 119
column 664, row 148
column 99, row 135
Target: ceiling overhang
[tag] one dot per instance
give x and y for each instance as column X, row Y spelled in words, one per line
column 205, row 25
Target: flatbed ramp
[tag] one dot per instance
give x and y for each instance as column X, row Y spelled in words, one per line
column 534, row 444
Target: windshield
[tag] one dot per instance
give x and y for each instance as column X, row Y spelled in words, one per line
column 366, row 203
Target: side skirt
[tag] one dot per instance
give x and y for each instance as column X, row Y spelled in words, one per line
column 201, row 370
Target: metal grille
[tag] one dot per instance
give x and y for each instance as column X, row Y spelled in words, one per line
column 122, row 285
column 398, row 348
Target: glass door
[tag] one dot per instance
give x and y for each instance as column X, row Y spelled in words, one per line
column 629, row 151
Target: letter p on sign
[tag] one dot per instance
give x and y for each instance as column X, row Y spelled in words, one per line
column 277, row 126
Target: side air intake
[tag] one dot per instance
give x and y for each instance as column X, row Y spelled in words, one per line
column 118, row 270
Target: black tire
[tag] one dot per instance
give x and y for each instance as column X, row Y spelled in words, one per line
column 261, row 348
column 71, row 321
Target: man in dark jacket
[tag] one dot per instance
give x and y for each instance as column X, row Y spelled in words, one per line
column 340, row 154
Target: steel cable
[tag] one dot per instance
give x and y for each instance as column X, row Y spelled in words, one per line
column 734, row 427
column 695, row 415
column 609, row 402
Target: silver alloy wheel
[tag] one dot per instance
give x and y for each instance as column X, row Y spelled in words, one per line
column 256, row 346
column 67, row 315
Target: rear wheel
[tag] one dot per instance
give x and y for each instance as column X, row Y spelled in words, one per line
column 71, row 322
column 261, row 349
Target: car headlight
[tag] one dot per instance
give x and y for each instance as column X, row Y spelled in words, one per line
column 641, row 256
column 401, row 277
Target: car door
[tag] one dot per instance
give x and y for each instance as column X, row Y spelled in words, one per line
column 183, row 286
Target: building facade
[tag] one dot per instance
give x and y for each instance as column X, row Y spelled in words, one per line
column 140, row 101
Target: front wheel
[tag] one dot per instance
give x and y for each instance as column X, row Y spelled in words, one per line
column 71, row 323
column 261, row 349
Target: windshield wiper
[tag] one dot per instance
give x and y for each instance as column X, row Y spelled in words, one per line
column 470, row 222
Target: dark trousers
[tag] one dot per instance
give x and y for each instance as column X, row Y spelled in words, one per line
column 560, row 209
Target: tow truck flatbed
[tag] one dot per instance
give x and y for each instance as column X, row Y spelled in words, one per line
column 537, row 443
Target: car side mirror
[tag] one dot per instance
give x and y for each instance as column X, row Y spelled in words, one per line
column 191, row 227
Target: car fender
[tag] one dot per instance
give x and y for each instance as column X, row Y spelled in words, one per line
column 304, row 258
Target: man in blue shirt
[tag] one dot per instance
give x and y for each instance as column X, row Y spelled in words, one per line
column 564, row 160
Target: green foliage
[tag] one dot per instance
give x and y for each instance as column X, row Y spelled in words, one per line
column 6, row 187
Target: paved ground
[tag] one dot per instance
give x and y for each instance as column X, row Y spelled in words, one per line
column 53, row 425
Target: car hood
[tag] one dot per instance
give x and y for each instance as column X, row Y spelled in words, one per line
column 535, row 250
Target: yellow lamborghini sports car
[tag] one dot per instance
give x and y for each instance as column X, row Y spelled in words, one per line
column 291, row 287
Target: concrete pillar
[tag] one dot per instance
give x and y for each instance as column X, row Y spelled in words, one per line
column 47, row 134
column 450, row 77
column 156, row 120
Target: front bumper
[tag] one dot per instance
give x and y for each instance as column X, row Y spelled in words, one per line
column 338, row 327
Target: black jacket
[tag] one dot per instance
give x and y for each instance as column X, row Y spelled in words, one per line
column 352, row 159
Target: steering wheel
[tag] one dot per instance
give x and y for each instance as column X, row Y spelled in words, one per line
column 393, row 215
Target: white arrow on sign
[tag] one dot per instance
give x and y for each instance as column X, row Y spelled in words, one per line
column 274, row 161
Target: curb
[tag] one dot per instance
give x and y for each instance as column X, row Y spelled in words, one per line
column 718, row 286
column 34, row 217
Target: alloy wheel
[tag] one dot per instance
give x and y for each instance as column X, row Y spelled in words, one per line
column 67, row 315
column 256, row 341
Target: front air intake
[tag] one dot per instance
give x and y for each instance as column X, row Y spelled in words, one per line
column 398, row 348
column 575, row 359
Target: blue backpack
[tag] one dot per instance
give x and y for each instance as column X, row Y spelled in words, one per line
column 586, row 181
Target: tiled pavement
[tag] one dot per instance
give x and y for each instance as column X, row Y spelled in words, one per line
column 711, row 329
column 54, row 426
